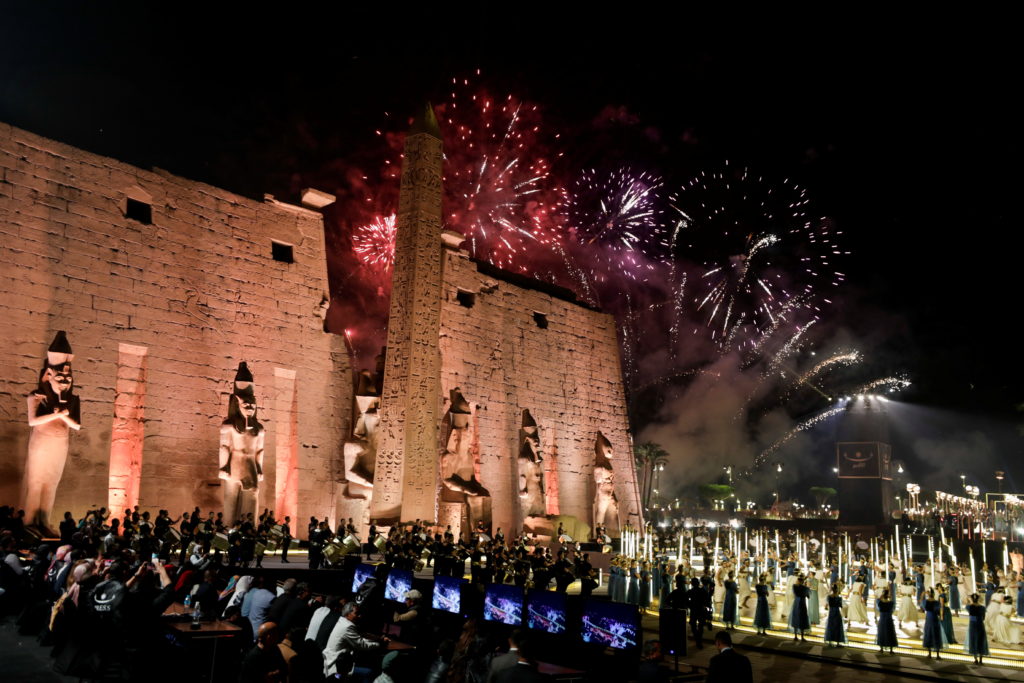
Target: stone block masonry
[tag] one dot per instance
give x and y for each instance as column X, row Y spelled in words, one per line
column 509, row 347
column 195, row 285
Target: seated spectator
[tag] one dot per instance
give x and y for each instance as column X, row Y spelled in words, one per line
column 264, row 663
column 345, row 641
column 257, row 604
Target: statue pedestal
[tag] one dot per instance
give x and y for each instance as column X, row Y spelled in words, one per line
column 542, row 526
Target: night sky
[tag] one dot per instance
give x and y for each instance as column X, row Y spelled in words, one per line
column 905, row 130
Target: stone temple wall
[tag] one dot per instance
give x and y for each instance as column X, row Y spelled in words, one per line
column 567, row 375
column 159, row 315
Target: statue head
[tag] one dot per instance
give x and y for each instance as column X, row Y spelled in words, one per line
column 242, row 403
column 55, row 379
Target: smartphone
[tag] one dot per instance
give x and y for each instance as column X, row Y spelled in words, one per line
column 155, row 557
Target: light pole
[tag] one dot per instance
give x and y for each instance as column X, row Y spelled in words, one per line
column 778, row 474
column 999, row 479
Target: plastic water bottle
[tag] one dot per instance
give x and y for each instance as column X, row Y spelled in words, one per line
column 188, row 600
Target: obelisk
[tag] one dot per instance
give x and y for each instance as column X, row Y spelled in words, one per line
column 405, row 478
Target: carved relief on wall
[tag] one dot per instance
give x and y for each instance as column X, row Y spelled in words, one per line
column 606, row 505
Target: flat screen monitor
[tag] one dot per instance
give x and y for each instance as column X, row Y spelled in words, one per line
column 447, row 594
column 398, row 584
column 503, row 604
column 363, row 572
column 610, row 624
column 545, row 611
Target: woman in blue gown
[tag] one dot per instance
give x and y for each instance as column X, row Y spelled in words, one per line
column 613, row 580
column 762, row 613
column 954, row 593
column 947, row 617
column 886, row 636
column 931, row 636
column 977, row 639
column 813, row 606
column 834, row 632
column 633, row 584
column 729, row 602
column 645, row 585
column 798, row 620
column 1020, row 594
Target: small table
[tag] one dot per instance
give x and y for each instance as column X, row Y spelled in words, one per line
column 394, row 645
column 208, row 630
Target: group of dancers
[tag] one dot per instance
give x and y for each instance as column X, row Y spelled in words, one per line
column 805, row 595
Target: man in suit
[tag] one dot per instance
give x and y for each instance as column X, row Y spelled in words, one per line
column 728, row 666
column 509, row 659
column 344, row 642
column 524, row 670
column 697, row 603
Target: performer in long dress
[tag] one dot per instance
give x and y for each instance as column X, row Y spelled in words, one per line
column 633, row 585
column 834, row 632
column 886, row 635
column 729, row 602
column 977, row 641
column 1020, row 594
column 947, row 615
column 798, row 620
column 907, row 610
column 645, row 585
column 762, row 613
column 787, row 604
column 856, row 610
column 813, row 612
column 719, row 589
column 954, row 591
column 963, row 587
column 1004, row 630
column 931, row 636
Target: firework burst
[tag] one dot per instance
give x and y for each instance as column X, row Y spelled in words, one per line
column 762, row 255
column 498, row 187
column 615, row 220
column 374, row 243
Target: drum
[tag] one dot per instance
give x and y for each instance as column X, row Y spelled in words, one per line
column 351, row 543
column 333, row 552
column 220, row 542
column 271, row 545
column 277, row 531
column 261, row 549
column 173, row 537
column 380, row 542
column 484, row 538
column 565, row 538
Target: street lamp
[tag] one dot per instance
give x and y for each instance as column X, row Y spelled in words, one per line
column 999, row 478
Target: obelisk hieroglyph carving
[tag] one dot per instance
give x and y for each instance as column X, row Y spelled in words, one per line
column 405, row 476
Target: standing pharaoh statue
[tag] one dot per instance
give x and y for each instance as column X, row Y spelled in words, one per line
column 241, row 449
column 53, row 410
column 606, row 505
column 531, row 476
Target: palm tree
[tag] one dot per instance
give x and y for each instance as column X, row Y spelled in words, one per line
column 647, row 456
